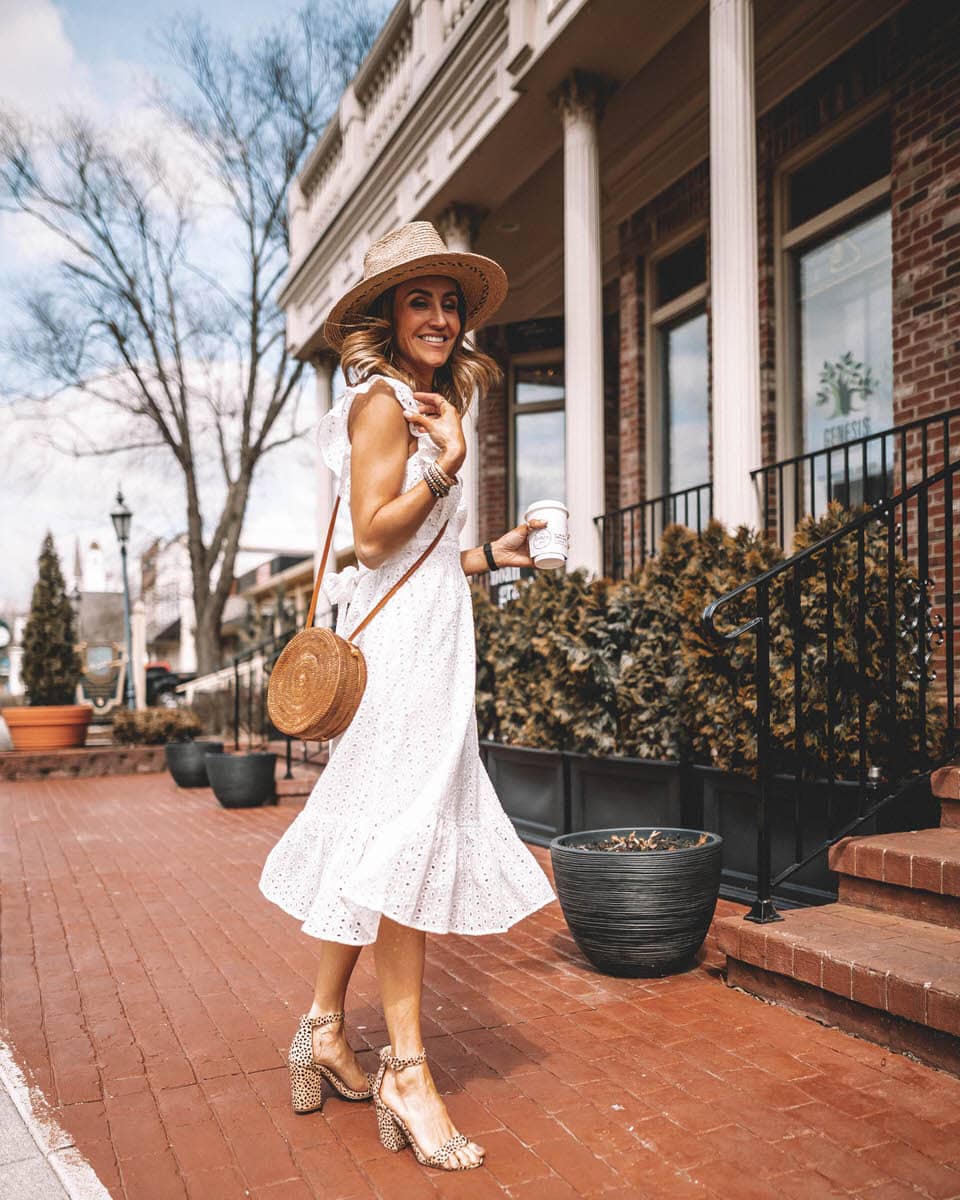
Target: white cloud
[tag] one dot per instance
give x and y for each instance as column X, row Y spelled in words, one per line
column 39, row 68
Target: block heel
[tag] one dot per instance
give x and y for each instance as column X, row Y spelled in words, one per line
column 307, row 1074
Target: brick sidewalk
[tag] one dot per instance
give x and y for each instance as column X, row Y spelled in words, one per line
column 150, row 991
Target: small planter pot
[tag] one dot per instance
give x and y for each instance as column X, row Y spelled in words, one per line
column 48, row 726
column 242, row 780
column 637, row 912
column 532, row 787
column 186, row 762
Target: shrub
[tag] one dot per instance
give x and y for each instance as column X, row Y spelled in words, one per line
column 627, row 668
column 155, row 726
column 51, row 665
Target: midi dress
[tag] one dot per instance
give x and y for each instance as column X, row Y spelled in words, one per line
column 404, row 821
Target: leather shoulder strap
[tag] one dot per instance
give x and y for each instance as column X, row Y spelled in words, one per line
column 400, row 582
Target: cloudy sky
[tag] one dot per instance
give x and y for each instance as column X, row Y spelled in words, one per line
column 102, row 56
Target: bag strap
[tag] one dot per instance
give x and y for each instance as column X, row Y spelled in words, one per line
column 400, row 582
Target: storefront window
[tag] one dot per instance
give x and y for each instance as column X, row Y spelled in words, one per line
column 538, row 435
column 685, row 385
column 838, row 244
column 682, row 379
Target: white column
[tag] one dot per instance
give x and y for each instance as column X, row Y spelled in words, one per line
column 734, row 282
column 456, row 225
column 324, row 368
column 579, row 102
column 138, row 646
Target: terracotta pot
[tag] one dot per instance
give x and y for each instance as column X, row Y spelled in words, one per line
column 48, row 726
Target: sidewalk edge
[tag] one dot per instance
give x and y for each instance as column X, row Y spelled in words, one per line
column 78, row 1178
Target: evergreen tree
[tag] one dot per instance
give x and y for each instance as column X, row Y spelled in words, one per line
column 51, row 665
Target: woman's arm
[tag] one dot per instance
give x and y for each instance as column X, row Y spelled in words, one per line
column 509, row 550
column 384, row 517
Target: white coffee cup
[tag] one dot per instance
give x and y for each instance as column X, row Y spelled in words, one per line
column 549, row 546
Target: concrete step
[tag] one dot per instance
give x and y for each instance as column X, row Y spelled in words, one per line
column 945, row 785
column 893, row 980
column 915, row 875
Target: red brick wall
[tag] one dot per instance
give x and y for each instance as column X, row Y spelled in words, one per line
column 492, row 518
column 926, row 211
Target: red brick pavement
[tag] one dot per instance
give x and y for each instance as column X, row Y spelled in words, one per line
column 150, row 992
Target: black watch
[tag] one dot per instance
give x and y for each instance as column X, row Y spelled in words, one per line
column 488, row 555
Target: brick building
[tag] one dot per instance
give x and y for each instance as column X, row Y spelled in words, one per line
column 731, row 229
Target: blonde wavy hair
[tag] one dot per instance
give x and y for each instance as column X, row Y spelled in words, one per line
column 369, row 350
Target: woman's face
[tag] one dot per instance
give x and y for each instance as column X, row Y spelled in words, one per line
column 426, row 323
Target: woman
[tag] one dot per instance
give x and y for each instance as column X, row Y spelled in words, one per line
column 403, row 833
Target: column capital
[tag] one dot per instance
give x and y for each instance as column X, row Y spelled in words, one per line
column 458, row 224
column 582, row 94
column 325, row 362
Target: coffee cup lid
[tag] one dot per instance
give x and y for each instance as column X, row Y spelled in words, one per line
column 546, row 504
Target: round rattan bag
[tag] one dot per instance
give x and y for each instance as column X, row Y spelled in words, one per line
column 317, row 682
column 316, row 685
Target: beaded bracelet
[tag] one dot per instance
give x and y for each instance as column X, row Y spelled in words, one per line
column 449, row 480
column 435, row 481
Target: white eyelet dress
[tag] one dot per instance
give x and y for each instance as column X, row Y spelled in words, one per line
column 404, row 820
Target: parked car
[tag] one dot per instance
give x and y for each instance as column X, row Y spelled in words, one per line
column 162, row 683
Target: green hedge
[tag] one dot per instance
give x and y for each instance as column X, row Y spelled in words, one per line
column 625, row 668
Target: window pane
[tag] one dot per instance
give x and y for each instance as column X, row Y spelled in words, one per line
column 859, row 160
column 846, row 351
column 686, row 420
column 682, row 270
column 539, row 458
column 536, row 385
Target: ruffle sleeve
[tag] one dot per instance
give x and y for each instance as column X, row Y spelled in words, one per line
column 332, row 427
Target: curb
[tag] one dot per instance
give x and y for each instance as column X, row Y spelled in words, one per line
column 78, row 1178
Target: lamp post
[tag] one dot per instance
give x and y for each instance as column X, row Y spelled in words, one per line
column 121, row 524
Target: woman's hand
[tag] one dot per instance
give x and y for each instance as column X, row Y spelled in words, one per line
column 511, row 549
column 442, row 421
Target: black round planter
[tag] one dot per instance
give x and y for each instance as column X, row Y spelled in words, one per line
column 243, row 780
column 186, row 762
column 637, row 912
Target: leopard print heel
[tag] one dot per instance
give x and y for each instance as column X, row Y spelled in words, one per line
column 394, row 1134
column 307, row 1074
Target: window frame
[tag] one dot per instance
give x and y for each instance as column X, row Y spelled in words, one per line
column 529, row 358
column 657, row 320
column 788, row 243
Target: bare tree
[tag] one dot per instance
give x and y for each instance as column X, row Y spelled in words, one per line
column 163, row 302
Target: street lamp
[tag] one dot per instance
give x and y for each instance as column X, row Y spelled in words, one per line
column 121, row 524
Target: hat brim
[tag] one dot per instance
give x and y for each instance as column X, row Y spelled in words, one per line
column 482, row 281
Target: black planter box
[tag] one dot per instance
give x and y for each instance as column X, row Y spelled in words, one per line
column 730, row 809
column 532, row 787
column 606, row 793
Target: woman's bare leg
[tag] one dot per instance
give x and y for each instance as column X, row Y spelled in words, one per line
column 330, row 1043
column 399, row 955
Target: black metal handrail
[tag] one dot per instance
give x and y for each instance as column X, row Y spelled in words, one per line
column 845, row 664
column 630, row 534
column 863, row 470
column 256, row 698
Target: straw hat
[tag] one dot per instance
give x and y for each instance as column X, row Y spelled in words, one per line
column 406, row 253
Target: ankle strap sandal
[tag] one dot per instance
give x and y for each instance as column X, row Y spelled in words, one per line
column 306, row 1071
column 394, row 1134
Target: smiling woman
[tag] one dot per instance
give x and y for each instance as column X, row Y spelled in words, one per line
column 403, row 834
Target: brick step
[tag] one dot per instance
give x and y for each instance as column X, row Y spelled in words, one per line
column 915, row 875
column 945, row 785
column 882, row 962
